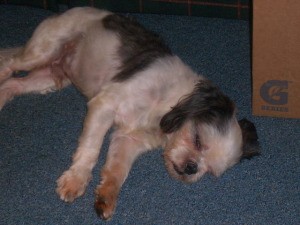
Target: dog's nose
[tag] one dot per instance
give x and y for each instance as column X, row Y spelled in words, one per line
column 191, row 168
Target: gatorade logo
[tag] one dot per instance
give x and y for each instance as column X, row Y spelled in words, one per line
column 275, row 92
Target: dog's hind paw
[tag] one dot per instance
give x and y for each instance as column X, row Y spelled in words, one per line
column 71, row 185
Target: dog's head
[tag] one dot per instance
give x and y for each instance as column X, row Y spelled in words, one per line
column 203, row 134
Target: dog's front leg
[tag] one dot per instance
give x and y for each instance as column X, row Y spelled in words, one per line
column 123, row 151
column 99, row 119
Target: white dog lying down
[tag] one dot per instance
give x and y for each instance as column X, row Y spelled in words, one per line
column 132, row 82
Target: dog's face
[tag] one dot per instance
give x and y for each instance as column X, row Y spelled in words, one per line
column 203, row 135
column 196, row 149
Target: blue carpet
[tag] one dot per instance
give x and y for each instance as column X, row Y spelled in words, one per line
column 38, row 135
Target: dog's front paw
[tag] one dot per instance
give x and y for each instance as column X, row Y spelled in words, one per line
column 105, row 203
column 72, row 185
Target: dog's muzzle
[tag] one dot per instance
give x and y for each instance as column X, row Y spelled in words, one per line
column 189, row 169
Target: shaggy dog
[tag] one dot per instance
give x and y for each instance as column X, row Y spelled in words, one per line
column 133, row 83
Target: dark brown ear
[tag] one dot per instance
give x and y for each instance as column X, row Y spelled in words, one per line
column 205, row 104
column 250, row 139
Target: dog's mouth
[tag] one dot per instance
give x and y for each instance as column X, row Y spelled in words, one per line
column 177, row 169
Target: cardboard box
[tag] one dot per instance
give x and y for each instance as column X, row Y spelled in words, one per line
column 276, row 58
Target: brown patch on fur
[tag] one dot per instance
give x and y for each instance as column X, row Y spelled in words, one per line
column 106, row 198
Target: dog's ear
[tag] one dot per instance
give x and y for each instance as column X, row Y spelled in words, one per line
column 206, row 104
column 175, row 118
column 250, row 139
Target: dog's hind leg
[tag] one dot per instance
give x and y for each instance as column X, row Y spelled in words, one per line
column 48, row 40
column 45, row 46
column 35, row 54
column 40, row 81
column 6, row 59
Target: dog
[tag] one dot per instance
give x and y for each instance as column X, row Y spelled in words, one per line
column 135, row 84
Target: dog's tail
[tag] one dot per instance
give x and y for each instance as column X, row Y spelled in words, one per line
column 9, row 53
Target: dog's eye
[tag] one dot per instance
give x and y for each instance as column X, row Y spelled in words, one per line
column 197, row 142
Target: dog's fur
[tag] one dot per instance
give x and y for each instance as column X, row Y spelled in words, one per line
column 132, row 82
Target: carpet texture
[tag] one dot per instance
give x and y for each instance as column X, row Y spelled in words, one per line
column 38, row 135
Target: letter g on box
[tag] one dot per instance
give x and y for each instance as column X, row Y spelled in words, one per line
column 275, row 92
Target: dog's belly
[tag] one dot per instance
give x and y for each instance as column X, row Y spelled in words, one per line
column 93, row 60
